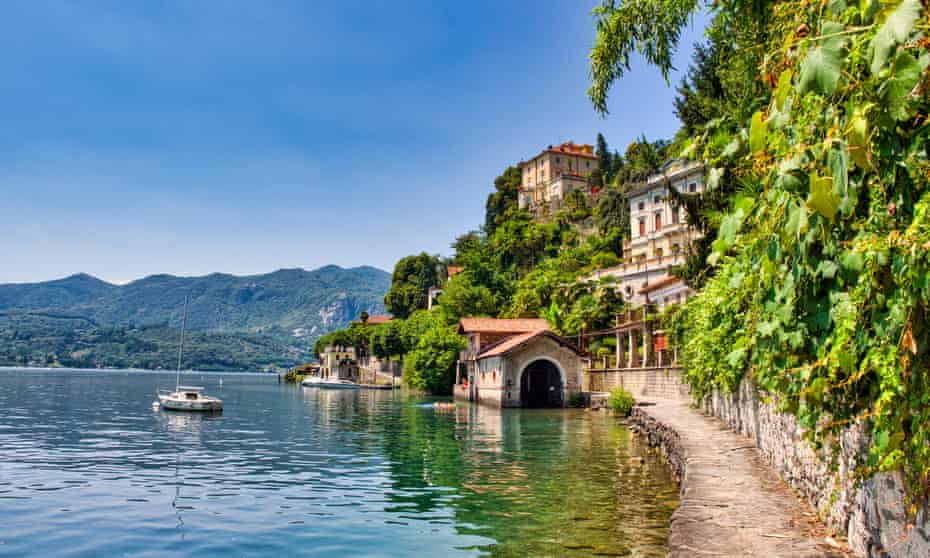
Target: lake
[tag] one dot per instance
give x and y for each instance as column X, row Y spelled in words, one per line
column 88, row 468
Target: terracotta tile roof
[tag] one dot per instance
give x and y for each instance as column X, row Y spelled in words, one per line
column 379, row 319
column 517, row 341
column 453, row 270
column 671, row 280
column 495, row 325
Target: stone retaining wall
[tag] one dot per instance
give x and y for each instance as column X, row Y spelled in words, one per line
column 663, row 382
column 870, row 513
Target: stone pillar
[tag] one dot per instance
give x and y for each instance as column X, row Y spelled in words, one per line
column 619, row 351
column 647, row 345
column 632, row 349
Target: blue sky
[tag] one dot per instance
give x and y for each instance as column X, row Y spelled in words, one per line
column 242, row 137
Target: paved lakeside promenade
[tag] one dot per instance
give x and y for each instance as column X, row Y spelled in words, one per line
column 732, row 502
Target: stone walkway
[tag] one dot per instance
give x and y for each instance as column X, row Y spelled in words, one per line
column 732, row 503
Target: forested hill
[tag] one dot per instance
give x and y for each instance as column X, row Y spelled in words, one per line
column 286, row 299
column 236, row 322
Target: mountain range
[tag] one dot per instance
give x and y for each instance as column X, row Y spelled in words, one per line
column 272, row 319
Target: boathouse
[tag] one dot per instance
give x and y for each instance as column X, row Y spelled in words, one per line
column 516, row 363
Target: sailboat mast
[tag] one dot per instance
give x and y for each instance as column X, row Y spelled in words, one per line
column 177, row 381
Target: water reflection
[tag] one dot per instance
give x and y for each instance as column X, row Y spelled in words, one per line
column 88, row 469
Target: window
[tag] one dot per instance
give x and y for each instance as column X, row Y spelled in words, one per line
column 656, row 199
column 658, row 221
column 642, row 226
column 558, row 160
column 641, row 206
column 692, row 187
column 674, row 216
column 587, row 164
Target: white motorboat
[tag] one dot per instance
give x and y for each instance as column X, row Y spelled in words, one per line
column 186, row 398
column 329, row 383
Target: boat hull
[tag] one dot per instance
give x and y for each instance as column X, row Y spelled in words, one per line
column 203, row 405
column 324, row 384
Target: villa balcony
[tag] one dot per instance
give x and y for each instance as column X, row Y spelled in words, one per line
column 630, row 267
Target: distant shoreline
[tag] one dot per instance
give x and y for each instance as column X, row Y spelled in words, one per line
column 133, row 370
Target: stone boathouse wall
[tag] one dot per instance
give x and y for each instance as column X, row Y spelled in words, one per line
column 870, row 513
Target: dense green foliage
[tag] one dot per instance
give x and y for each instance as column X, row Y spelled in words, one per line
column 412, row 278
column 502, row 202
column 822, row 266
column 430, row 364
column 620, row 401
column 42, row 339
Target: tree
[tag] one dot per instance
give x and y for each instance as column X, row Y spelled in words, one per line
column 431, row 365
column 612, row 211
column 387, row 339
column 461, row 298
column 503, row 201
column 701, row 95
column 412, row 278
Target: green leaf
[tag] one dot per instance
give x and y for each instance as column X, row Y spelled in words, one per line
column 857, row 140
column 827, row 269
column 820, row 69
column 781, row 90
column 851, row 261
column 893, row 32
column 881, row 440
column 822, row 199
column 905, row 73
column 758, row 132
column 839, row 166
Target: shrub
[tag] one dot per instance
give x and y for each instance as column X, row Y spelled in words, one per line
column 575, row 399
column 620, row 401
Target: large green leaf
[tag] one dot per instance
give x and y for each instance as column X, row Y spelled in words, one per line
column 820, row 69
column 822, row 199
column 857, row 138
column 781, row 91
column 758, row 132
column 905, row 73
column 894, row 31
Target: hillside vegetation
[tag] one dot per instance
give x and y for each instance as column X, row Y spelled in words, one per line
column 235, row 322
column 818, row 288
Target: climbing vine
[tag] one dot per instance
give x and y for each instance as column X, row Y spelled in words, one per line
column 822, row 265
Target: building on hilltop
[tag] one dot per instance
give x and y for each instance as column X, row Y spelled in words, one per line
column 660, row 236
column 516, row 363
column 549, row 177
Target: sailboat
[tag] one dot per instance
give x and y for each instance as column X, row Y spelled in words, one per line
column 186, row 398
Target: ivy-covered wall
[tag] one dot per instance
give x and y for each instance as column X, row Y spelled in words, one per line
column 870, row 513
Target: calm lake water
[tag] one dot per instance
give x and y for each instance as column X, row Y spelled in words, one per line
column 87, row 468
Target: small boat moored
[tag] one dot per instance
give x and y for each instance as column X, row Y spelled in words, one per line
column 329, row 383
column 188, row 398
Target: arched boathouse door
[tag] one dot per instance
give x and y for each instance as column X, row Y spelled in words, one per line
column 541, row 385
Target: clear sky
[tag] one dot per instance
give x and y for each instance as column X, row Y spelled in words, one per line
column 242, row 137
